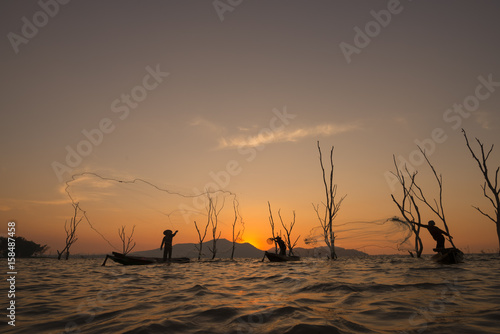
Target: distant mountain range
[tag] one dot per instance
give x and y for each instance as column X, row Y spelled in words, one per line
column 243, row 250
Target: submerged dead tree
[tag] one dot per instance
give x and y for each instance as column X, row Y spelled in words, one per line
column 70, row 230
column 126, row 241
column 201, row 238
column 331, row 206
column 491, row 187
column 271, row 222
column 408, row 206
column 214, row 220
column 237, row 236
column 288, row 232
column 438, row 207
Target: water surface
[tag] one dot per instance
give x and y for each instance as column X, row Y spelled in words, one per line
column 379, row 294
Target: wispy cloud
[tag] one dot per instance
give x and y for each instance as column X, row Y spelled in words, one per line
column 24, row 204
column 267, row 136
column 200, row 121
column 243, row 129
column 50, row 202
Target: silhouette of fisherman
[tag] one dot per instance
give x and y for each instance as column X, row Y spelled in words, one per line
column 437, row 234
column 281, row 245
column 167, row 242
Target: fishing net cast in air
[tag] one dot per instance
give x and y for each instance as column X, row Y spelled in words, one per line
column 392, row 233
column 138, row 201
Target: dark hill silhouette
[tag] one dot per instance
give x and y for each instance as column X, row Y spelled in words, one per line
column 242, row 250
column 224, row 247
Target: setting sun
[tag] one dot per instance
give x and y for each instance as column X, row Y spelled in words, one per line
column 256, row 242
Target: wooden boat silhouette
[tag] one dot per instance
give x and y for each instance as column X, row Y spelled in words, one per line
column 129, row 260
column 448, row 255
column 281, row 258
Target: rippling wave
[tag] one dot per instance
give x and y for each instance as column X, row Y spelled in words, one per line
column 378, row 294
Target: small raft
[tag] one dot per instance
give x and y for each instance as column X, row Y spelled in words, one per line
column 129, row 260
column 448, row 256
column 281, row 258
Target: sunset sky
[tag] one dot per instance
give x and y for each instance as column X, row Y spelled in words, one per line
column 188, row 95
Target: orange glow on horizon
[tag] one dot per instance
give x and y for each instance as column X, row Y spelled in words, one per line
column 255, row 241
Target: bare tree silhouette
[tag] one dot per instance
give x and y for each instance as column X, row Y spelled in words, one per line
column 408, row 206
column 271, row 222
column 214, row 220
column 126, row 241
column 438, row 207
column 288, row 232
column 199, row 247
column 201, row 237
column 235, row 238
column 491, row 187
column 331, row 207
column 70, row 230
